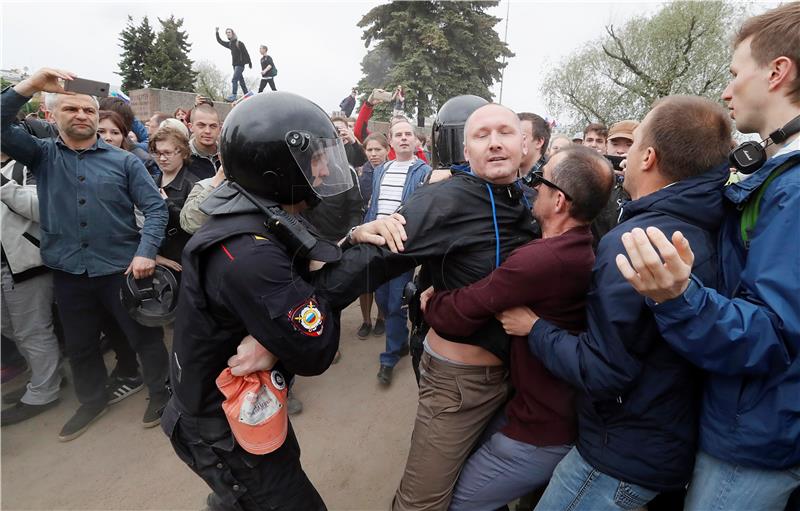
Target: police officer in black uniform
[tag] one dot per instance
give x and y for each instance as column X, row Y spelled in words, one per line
column 246, row 272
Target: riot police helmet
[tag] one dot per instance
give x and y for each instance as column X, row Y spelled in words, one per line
column 151, row 301
column 284, row 148
column 448, row 129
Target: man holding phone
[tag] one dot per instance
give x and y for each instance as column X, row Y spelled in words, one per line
column 87, row 192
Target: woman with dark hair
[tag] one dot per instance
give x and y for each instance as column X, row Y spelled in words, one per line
column 182, row 115
column 112, row 129
column 170, row 148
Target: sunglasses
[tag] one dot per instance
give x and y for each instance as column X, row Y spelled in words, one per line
column 537, row 178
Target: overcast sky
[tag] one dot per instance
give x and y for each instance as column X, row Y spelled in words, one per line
column 316, row 45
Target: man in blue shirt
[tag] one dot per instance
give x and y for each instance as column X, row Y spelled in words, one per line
column 87, row 193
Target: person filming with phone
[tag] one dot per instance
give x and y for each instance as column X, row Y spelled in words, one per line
column 87, row 192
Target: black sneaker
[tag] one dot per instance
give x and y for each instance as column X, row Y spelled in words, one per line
column 119, row 388
column 80, row 422
column 380, row 328
column 155, row 406
column 385, row 375
column 293, row 405
column 22, row 412
column 364, row 330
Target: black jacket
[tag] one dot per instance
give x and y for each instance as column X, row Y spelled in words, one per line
column 204, row 167
column 177, row 191
column 451, row 232
column 239, row 55
column 238, row 279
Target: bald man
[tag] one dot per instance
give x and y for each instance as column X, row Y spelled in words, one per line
column 460, row 229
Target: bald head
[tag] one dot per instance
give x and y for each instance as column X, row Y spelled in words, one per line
column 493, row 143
column 482, row 113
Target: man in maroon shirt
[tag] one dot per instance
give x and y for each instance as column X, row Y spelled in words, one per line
column 551, row 276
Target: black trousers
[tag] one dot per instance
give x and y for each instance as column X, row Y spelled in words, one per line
column 264, row 82
column 241, row 481
column 82, row 303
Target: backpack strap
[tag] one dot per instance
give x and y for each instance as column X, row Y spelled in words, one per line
column 752, row 206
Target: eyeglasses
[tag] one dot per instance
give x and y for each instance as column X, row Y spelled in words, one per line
column 537, row 178
column 164, row 154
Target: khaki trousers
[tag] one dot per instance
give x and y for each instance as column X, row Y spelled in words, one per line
column 456, row 403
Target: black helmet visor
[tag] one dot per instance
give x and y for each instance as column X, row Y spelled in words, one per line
column 322, row 161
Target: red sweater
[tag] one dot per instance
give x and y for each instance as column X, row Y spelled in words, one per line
column 361, row 132
column 551, row 276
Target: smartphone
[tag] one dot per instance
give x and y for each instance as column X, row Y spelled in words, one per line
column 84, row 86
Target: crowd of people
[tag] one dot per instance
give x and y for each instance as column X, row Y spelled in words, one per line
column 597, row 322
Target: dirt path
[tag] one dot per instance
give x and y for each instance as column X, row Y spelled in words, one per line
column 354, row 436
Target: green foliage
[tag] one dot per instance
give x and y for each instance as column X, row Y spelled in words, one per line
column 214, row 84
column 137, row 46
column 169, row 66
column 210, row 81
column 682, row 49
column 435, row 49
column 159, row 61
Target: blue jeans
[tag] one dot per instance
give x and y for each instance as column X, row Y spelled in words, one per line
column 718, row 485
column 577, row 486
column 238, row 78
column 390, row 299
column 504, row 469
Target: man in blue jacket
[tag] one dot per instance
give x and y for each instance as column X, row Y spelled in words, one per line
column 392, row 185
column 637, row 398
column 746, row 334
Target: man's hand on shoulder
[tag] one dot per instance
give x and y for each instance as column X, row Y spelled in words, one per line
column 141, row 267
column 387, row 231
column 647, row 273
column 44, row 80
column 439, row 175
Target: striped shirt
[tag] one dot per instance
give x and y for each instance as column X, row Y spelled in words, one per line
column 394, row 180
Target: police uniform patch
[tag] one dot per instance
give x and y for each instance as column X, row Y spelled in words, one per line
column 307, row 319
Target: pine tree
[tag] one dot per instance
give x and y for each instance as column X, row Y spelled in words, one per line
column 169, row 66
column 137, row 45
column 435, row 49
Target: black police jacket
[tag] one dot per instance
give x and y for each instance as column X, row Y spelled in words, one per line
column 238, row 280
column 451, row 232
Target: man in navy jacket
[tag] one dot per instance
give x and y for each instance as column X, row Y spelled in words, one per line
column 637, row 398
column 746, row 334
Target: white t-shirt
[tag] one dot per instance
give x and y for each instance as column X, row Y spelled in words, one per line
column 394, row 180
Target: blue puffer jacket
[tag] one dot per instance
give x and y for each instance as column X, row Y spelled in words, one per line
column 638, row 400
column 747, row 335
column 415, row 178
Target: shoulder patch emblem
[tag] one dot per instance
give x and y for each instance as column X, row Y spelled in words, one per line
column 307, row 319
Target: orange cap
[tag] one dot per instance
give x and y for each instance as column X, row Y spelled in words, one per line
column 255, row 406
